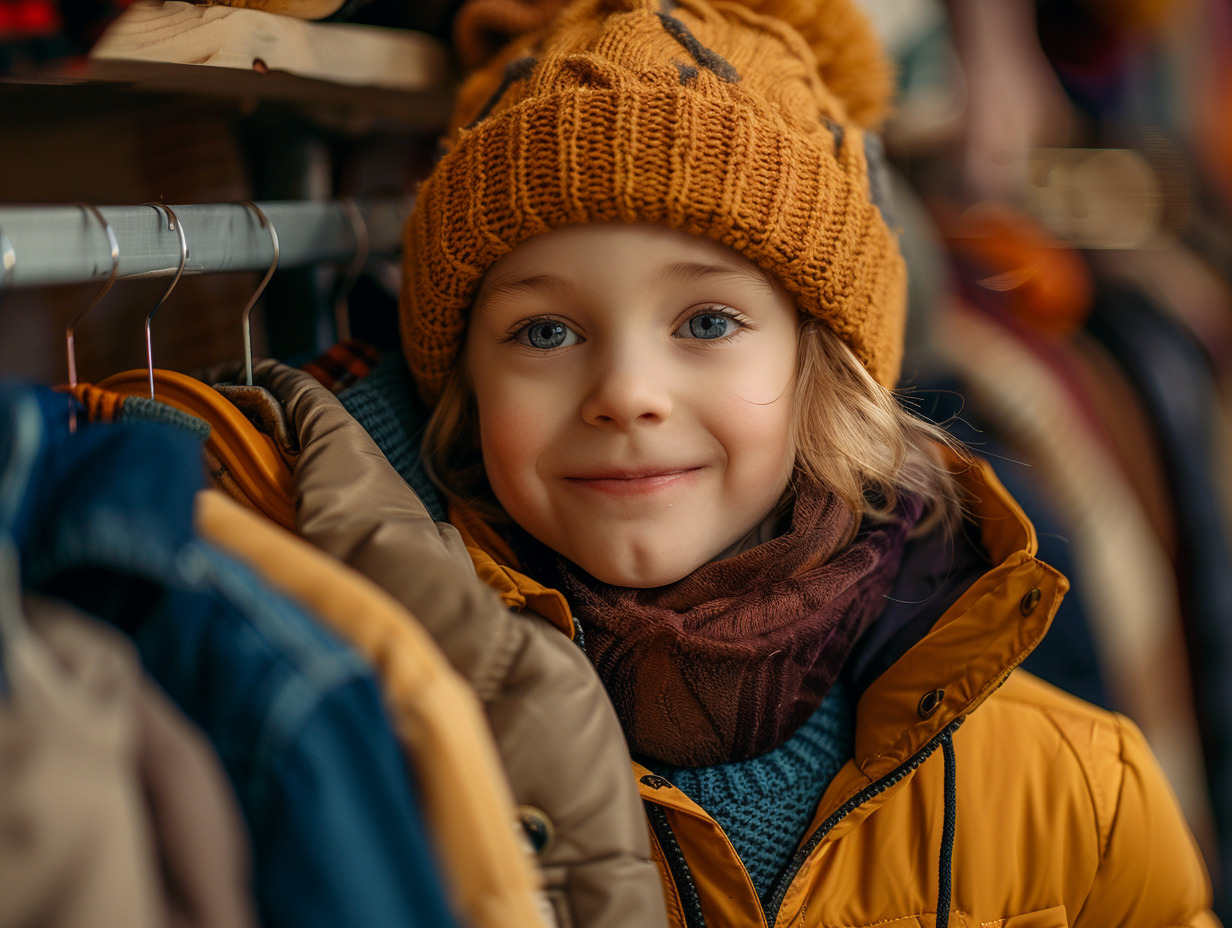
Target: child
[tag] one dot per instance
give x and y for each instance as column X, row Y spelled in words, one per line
column 655, row 301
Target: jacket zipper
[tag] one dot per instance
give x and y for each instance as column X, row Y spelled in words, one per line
column 876, row 788
column 686, row 889
column 679, row 867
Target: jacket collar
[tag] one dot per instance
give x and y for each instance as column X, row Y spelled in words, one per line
column 977, row 642
column 496, row 565
column 954, row 666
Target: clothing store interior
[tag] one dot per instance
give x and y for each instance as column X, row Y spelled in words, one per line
column 185, row 190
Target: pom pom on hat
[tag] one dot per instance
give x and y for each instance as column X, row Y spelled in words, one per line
column 849, row 55
column 741, row 122
column 482, row 28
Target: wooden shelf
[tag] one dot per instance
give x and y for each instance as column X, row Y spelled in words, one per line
column 348, row 76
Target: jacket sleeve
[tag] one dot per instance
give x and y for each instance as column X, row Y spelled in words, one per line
column 558, row 736
column 1151, row 873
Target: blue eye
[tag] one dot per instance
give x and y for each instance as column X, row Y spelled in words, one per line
column 546, row 334
column 708, row 326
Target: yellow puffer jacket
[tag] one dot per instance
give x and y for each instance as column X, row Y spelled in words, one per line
column 974, row 790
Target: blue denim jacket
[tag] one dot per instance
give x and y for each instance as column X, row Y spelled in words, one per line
column 103, row 518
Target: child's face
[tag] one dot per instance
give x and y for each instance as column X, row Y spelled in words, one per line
column 634, row 387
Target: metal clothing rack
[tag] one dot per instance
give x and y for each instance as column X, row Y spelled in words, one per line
column 47, row 245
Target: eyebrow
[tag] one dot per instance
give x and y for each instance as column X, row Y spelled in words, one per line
column 687, row 272
column 683, row 272
column 541, row 283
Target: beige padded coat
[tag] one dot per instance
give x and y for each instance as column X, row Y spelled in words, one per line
column 556, row 732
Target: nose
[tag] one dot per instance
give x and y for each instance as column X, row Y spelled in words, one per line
column 627, row 388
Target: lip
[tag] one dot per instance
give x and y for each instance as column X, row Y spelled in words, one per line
column 633, row 482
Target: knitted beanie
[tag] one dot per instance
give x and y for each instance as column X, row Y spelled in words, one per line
column 742, row 122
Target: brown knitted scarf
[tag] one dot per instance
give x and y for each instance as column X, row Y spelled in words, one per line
column 727, row 663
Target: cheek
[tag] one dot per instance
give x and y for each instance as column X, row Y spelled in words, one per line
column 515, row 437
column 760, row 443
column 758, row 377
column 506, row 440
column 499, row 412
column 757, row 426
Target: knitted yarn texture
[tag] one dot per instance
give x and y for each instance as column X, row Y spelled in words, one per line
column 729, row 662
column 384, row 404
column 765, row 803
column 707, row 118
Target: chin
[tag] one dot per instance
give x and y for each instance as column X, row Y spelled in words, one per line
column 637, row 576
column 640, row 582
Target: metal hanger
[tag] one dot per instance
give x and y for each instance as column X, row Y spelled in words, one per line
column 363, row 244
column 252, row 458
column 252, row 301
column 70, row 347
column 177, row 227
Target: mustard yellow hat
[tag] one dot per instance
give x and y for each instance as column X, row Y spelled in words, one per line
column 746, row 123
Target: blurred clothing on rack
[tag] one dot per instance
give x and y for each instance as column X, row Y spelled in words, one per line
column 105, row 522
column 1173, row 376
column 116, row 809
column 489, row 870
column 1188, row 288
column 1121, row 571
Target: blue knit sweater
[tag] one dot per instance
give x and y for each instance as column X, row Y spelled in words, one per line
column 387, row 405
column 766, row 803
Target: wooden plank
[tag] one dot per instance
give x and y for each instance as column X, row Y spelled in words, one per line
column 236, row 39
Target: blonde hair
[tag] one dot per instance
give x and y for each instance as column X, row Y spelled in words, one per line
column 854, row 436
column 851, row 434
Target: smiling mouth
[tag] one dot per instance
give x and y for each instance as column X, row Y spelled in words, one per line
column 634, row 484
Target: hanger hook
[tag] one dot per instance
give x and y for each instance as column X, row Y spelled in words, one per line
column 252, row 301
column 173, row 225
column 363, row 242
column 69, row 343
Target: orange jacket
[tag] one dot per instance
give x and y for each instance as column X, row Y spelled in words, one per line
column 1026, row 807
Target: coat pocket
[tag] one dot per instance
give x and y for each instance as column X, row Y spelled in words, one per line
column 1045, row 918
